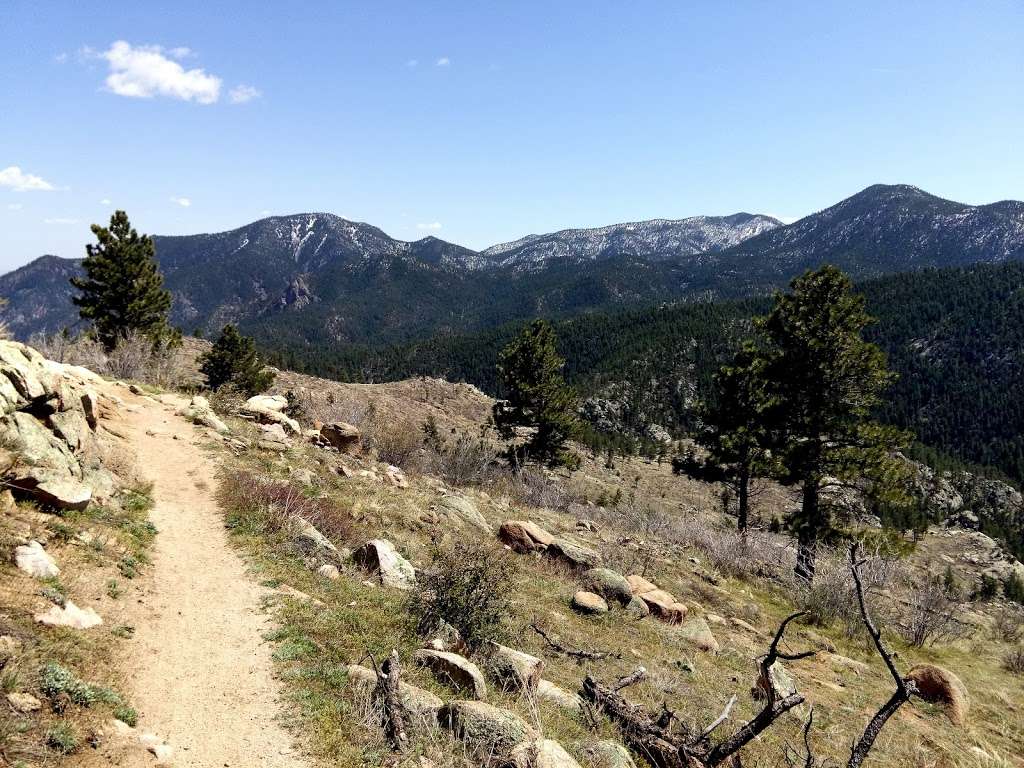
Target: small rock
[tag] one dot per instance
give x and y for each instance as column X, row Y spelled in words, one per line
column 588, row 602
column 515, row 670
column 699, row 634
column 380, row 555
column 524, row 536
column 553, row 694
column 543, row 753
column 70, row 615
column 23, row 702
column 610, row 584
column 610, row 754
column 35, row 561
column 328, row 571
column 63, row 494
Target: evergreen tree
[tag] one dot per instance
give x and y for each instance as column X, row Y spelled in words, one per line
column 826, row 381
column 538, row 397
column 123, row 291
column 232, row 360
column 736, row 429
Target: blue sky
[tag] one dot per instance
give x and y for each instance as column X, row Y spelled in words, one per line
column 480, row 122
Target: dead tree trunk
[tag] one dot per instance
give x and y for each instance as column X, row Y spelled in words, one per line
column 396, row 718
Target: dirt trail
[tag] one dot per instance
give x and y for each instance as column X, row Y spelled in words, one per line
column 199, row 669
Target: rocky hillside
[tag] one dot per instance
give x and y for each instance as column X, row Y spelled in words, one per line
column 317, row 279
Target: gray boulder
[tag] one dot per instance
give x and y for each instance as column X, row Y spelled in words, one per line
column 486, row 729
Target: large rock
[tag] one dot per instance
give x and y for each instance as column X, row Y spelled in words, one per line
column 611, row 585
column 524, row 536
column 542, row 753
column 199, row 411
column 778, row 681
column 660, row 602
column 461, row 509
column 35, row 561
column 269, row 409
column 381, row 557
column 609, row 754
column 588, row 602
column 69, row 615
column 345, row 437
column 486, row 729
column 453, row 670
column 573, row 553
column 553, row 694
column 515, row 670
column 422, row 705
column 938, row 685
column 697, row 632
column 63, row 494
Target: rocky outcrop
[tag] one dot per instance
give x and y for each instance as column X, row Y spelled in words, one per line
column 381, row 557
column 453, row 670
column 697, row 632
column 460, row 510
column 573, row 553
column 609, row 754
column 48, row 429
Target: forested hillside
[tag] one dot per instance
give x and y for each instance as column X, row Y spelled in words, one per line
column 955, row 336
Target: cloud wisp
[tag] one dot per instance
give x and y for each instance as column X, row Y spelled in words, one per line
column 241, row 94
column 184, row 202
column 14, row 178
column 433, row 226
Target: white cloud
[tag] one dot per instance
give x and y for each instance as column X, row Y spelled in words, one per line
column 144, row 71
column 412, row 63
column 61, row 57
column 181, row 52
column 105, row 201
column 243, row 93
column 444, row 61
column 265, row 212
column 434, row 226
column 14, row 206
column 60, row 220
column 19, row 181
column 184, row 202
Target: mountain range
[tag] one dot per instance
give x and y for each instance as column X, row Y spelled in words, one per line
column 318, row 279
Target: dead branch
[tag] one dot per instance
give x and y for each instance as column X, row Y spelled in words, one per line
column 396, row 718
column 904, row 689
column 632, row 678
column 653, row 738
column 576, row 653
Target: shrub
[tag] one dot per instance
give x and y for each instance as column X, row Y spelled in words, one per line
column 1013, row 661
column 62, row 738
column 1008, row 625
column 55, row 680
column 261, row 504
column 397, row 441
column 134, row 356
column 930, row 616
column 1013, row 588
column 468, row 586
column 296, row 408
column 466, row 461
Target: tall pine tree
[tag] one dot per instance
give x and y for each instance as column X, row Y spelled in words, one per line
column 123, row 291
column 826, row 382
column 537, row 397
column 736, row 430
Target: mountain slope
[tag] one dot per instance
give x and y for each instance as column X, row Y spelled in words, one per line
column 315, row 279
column 655, row 239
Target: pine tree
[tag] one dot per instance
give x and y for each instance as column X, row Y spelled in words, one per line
column 826, row 381
column 736, row 429
column 122, row 291
column 538, row 397
column 233, row 361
